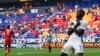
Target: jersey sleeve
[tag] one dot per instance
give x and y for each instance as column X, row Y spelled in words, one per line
column 72, row 24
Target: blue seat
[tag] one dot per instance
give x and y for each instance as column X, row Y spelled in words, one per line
column 98, row 35
column 1, row 36
column 29, row 35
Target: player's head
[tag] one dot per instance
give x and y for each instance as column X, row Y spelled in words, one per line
column 33, row 28
column 80, row 14
column 49, row 31
column 8, row 27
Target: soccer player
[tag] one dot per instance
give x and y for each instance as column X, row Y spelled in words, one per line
column 75, row 36
column 49, row 38
column 7, row 36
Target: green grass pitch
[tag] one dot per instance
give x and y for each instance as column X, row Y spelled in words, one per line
column 44, row 52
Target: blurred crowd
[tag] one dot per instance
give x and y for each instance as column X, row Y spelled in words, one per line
column 37, row 25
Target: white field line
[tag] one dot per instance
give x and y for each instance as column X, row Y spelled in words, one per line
column 20, row 53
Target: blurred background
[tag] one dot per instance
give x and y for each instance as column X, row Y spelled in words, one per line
column 32, row 19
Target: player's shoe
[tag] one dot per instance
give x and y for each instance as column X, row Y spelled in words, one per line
column 6, row 53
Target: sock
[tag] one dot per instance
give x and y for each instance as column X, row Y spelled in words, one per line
column 8, row 50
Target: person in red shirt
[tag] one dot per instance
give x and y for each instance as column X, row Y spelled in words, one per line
column 7, row 36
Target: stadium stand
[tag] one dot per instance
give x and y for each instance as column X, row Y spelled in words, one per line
column 21, row 22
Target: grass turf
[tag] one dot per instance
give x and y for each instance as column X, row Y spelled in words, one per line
column 44, row 52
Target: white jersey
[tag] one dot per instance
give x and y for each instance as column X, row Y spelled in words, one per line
column 74, row 36
column 74, row 40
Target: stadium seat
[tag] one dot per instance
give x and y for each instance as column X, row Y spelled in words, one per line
column 45, row 33
column 62, row 35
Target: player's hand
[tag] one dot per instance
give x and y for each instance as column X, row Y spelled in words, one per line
column 78, row 24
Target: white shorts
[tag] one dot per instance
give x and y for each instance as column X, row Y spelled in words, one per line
column 78, row 47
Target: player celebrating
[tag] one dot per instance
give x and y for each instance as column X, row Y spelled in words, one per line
column 75, row 36
column 7, row 36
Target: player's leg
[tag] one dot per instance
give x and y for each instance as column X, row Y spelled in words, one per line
column 49, row 47
column 79, row 54
column 6, row 45
column 78, row 49
column 64, row 54
column 9, row 46
column 5, row 49
column 66, row 49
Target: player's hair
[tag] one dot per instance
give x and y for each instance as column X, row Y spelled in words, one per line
column 8, row 26
column 33, row 28
column 80, row 13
